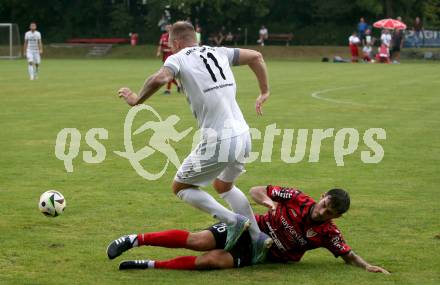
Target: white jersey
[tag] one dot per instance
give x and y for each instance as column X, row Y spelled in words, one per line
column 263, row 32
column 32, row 39
column 368, row 40
column 386, row 39
column 353, row 40
column 208, row 82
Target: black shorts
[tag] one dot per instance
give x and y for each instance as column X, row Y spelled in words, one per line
column 242, row 250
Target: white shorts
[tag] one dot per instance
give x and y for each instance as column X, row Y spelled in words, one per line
column 33, row 56
column 222, row 159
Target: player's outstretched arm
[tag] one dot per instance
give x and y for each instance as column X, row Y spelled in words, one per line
column 259, row 195
column 151, row 85
column 354, row 259
column 255, row 61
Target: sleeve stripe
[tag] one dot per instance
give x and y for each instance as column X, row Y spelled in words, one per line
column 172, row 69
column 236, row 56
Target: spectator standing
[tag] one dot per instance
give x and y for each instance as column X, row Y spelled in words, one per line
column 418, row 32
column 199, row 35
column 163, row 22
column 229, row 37
column 368, row 43
column 386, row 38
column 220, row 36
column 362, row 27
column 134, row 37
column 368, row 38
column 263, row 35
column 165, row 49
column 353, row 42
column 396, row 45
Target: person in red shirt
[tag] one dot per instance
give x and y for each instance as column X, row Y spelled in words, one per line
column 295, row 222
column 165, row 50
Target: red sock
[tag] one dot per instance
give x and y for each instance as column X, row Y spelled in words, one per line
column 182, row 262
column 175, row 82
column 170, row 239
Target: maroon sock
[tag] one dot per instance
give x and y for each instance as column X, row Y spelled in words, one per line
column 182, row 262
column 170, row 239
column 169, row 85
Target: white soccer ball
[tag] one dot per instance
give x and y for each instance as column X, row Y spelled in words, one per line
column 52, row 203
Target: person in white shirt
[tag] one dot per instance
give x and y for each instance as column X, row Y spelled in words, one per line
column 385, row 39
column 353, row 42
column 33, row 48
column 366, row 53
column 209, row 85
column 263, row 35
column 368, row 43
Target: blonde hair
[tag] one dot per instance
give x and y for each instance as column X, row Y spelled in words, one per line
column 184, row 31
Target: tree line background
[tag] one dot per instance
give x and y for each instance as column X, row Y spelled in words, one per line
column 311, row 21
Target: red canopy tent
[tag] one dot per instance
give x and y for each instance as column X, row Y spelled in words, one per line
column 390, row 24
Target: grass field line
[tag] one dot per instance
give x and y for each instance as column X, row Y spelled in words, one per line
column 317, row 95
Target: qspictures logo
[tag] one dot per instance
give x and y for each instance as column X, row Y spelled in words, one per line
column 164, row 133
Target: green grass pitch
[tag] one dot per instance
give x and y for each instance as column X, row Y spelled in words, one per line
column 394, row 216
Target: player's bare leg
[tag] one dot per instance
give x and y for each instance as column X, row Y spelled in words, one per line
column 240, row 205
column 200, row 199
column 214, row 259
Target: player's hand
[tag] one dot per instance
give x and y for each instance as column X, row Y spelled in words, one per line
column 128, row 95
column 158, row 54
column 376, row 269
column 270, row 204
column 259, row 103
column 41, row 51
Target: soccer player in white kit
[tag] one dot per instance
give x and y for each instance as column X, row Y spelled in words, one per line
column 33, row 48
column 208, row 82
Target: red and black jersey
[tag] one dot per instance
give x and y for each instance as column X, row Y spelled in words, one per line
column 164, row 46
column 292, row 229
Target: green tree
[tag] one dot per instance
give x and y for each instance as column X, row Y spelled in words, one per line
column 121, row 22
column 431, row 9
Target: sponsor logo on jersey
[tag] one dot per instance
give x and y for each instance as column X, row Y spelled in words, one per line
column 274, row 237
column 293, row 232
column 282, row 193
column 336, row 241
